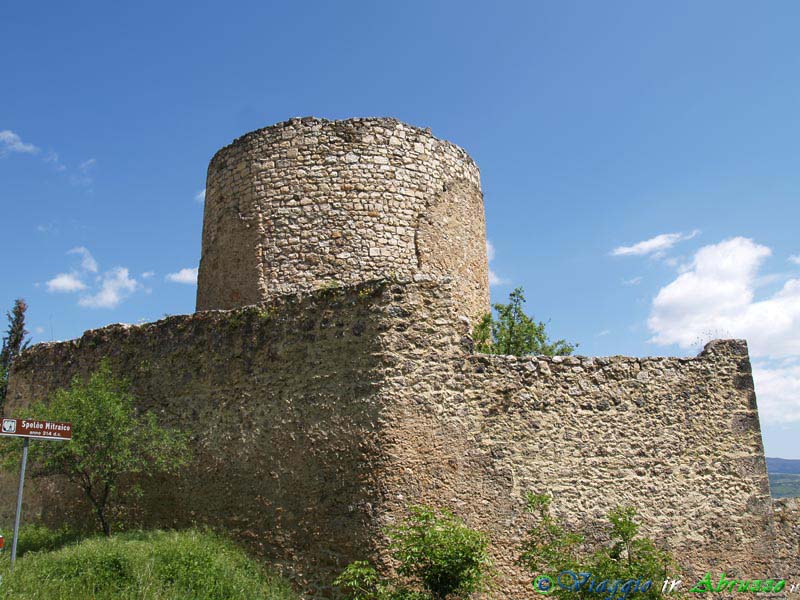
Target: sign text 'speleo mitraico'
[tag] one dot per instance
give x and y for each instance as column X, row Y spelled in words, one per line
column 32, row 428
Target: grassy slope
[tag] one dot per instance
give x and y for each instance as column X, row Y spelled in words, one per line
column 153, row 565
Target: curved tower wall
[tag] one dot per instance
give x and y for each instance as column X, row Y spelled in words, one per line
column 311, row 203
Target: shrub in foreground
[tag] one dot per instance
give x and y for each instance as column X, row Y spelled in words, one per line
column 153, row 565
column 615, row 571
column 439, row 557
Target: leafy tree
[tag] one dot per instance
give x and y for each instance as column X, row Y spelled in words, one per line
column 549, row 549
column 437, row 552
column 13, row 344
column 110, row 441
column 514, row 332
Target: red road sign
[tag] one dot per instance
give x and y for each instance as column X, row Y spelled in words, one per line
column 32, row 428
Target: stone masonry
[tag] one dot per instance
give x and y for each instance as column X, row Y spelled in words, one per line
column 324, row 402
column 309, row 203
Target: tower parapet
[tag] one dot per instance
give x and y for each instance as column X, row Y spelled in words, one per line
column 309, row 203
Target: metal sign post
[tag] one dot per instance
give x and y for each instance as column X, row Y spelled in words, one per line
column 22, row 465
column 27, row 429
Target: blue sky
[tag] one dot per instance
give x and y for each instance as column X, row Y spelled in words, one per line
column 639, row 160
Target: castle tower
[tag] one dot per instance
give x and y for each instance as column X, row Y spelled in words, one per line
column 310, row 203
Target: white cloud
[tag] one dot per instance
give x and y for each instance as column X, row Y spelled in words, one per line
column 201, row 195
column 714, row 296
column 52, row 157
column 778, row 392
column 656, row 246
column 84, row 175
column 795, row 258
column 88, row 263
column 11, row 142
column 38, row 330
column 187, row 276
column 65, row 282
column 603, row 333
column 148, row 274
column 632, row 281
column 117, row 284
column 494, row 278
column 101, row 291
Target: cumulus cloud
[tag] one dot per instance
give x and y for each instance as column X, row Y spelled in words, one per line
column 115, row 286
column 795, row 258
column 494, row 278
column 99, row 291
column 778, row 392
column 716, row 293
column 201, row 195
column 715, row 296
column 632, row 281
column 187, row 276
column 655, row 246
column 66, row 283
column 11, row 142
column 88, row 263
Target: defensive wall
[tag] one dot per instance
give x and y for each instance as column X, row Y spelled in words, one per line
column 328, row 380
column 318, row 418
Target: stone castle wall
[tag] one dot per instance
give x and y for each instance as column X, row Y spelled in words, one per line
column 787, row 522
column 309, row 202
column 319, row 418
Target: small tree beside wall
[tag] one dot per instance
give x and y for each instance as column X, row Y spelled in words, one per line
column 111, row 440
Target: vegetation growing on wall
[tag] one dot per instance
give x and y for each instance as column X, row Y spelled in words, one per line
column 511, row 331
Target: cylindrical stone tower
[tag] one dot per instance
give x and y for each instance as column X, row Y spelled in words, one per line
column 310, row 202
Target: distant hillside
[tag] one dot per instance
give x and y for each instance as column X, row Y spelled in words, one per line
column 784, row 485
column 784, row 477
column 783, row 465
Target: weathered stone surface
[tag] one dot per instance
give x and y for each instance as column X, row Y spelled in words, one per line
column 787, row 521
column 309, row 202
column 349, row 390
column 318, row 418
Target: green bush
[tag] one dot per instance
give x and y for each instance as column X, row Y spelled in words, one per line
column 617, row 570
column 438, row 554
column 153, row 565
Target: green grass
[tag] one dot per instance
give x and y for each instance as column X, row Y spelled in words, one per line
column 784, row 485
column 36, row 538
column 153, row 565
